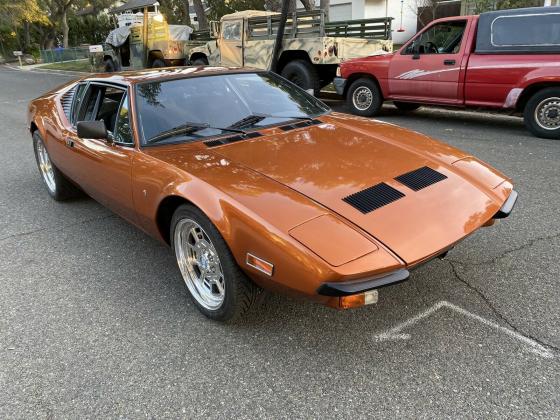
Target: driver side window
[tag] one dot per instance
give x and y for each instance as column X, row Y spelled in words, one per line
column 441, row 38
column 101, row 103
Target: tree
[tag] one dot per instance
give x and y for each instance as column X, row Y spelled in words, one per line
column 325, row 6
column 19, row 15
column 425, row 10
column 200, row 14
column 219, row 8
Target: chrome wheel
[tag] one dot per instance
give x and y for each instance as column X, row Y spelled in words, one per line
column 199, row 264
column 362, row 98
column 45, row 166
column 547, row 114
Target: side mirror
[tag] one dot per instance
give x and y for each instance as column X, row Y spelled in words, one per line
column 92, row 130
column 415, row 51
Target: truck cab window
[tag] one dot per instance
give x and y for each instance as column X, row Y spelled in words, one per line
column 231, row 30
column 441, row 38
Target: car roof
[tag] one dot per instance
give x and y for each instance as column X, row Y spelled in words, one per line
column 166, row 73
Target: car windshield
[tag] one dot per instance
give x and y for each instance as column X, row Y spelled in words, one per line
column 193, row 108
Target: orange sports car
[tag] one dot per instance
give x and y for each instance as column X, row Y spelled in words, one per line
column 255, row 184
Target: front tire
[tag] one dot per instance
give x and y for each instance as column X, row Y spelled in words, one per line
column 200, row 62
column 364, row 97
column 57, row 185
column 542, row 113
column 216, row 284
column 109, row 66
column 158, row 63
column 303, row 74
column 406, row 106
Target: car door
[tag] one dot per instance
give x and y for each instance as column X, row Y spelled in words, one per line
column 105, row 166
column 231, row 43
column 428, row 68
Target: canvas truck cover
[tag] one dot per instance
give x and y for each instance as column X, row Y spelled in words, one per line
column 524, row 31
column 179, row 32
column 117, row 37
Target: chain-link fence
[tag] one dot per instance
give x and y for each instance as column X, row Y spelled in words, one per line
column 56, row 55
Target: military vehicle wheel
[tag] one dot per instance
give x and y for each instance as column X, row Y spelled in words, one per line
column 200, row 62
column 406, row 106
column 303, row 74
column 158, row 63
column 109, row 65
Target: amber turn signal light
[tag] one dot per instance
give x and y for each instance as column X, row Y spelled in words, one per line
column 355, row 301
column 260, row 264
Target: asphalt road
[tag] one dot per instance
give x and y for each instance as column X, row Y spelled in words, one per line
column 95, row 320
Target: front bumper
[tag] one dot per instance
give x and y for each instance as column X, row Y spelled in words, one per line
column 506, row 209
column 339, row 84
column 347, row 288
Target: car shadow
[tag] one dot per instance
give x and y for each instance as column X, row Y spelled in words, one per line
column 444, row 117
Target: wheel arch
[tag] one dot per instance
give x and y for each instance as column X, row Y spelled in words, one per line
column 197, row 55
column 529, row 91
column 154, row 55
column 355, row 76
column 291, row 55
column 164, row 214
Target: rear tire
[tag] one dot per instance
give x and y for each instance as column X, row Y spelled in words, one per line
column 109, row 66
column 542, row 113
column 303, row 74
column 364, row 97
column 406, row 106
column 57, row 185
column 216, row 284
column 158, row 63
column 200, row 62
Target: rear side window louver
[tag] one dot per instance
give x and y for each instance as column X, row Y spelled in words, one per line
column 420, row 178
column 66, row 101
column 373, row 198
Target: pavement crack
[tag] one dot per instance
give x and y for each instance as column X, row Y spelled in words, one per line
column 495, row 310
column 508, row 252
column 60, row 228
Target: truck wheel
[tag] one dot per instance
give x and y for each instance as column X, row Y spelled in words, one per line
column 303, row 74
column 109, row 66
column 158, row 63
column 200, row 62
column 406, row 106
column 364, row 97
column 542, row 113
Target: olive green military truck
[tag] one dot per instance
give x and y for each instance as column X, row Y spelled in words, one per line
column 311, row 48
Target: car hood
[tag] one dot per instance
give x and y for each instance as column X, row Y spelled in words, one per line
column 345, row 155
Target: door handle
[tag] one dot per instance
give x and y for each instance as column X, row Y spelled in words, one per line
column 69, row 142
column 449, row 62
column 239, row 46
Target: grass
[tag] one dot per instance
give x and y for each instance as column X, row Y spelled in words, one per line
column 78, row 65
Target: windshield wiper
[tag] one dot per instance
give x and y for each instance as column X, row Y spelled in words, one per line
column 188, row 128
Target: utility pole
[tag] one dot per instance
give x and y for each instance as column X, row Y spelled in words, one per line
column 280, row 35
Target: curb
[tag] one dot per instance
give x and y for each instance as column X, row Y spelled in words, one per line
column 50, row 71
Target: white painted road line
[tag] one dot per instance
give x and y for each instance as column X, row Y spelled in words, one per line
column 396, row 333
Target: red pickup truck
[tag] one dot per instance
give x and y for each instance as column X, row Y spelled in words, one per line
column 508, row 59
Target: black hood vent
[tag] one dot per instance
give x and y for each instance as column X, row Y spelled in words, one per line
column 373, row 198
column 232, row 139
column 301, row 124
column 420, row 178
